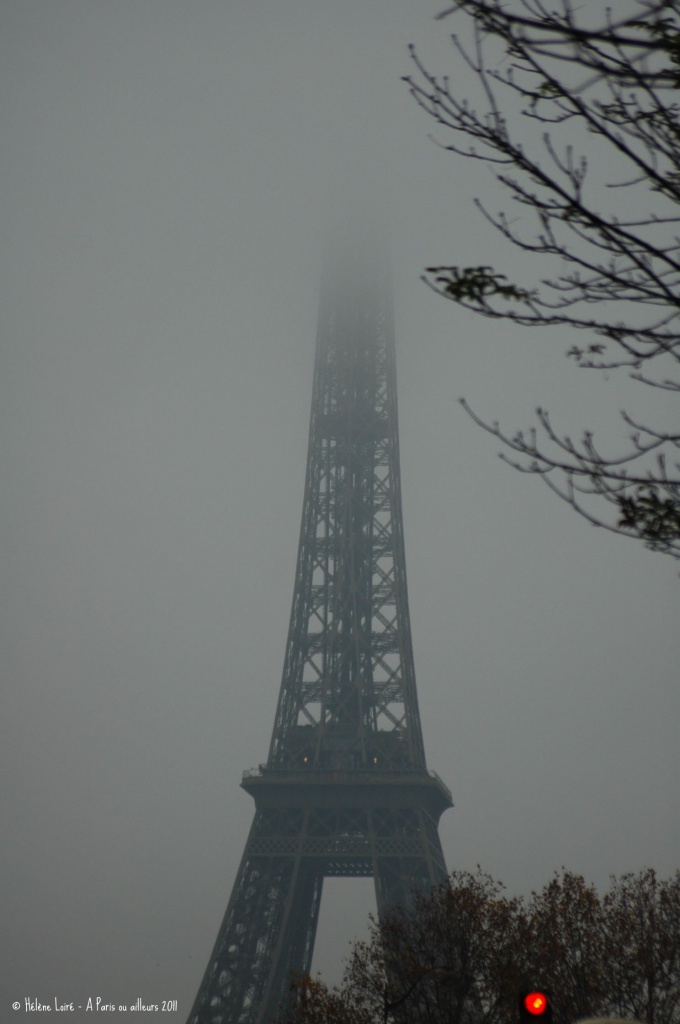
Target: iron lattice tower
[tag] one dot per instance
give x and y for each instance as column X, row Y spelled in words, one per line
column 345, row 790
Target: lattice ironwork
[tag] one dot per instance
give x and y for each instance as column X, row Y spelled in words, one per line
column 345, row 790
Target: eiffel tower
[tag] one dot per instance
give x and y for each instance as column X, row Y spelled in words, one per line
column 345, row 790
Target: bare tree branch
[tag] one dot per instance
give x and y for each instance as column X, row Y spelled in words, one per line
column 617, row 81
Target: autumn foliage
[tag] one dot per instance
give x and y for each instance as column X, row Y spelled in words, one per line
column 465, row 951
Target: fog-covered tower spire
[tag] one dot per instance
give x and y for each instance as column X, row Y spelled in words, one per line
column 345, row 790
column 348, row 696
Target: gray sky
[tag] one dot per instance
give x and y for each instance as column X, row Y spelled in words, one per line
column 167, row 169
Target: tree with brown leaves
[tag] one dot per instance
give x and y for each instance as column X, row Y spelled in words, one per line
column 463, row 953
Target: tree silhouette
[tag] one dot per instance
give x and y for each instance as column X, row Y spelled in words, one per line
column 549, row 75
column 465, row 951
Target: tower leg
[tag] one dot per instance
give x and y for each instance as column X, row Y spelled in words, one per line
column 270, row 925
column 410, row 856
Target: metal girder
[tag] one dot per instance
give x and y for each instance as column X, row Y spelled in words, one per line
column 345, row 790
column 307, row 829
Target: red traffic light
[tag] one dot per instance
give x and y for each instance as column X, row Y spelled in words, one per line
column 536, row 1003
